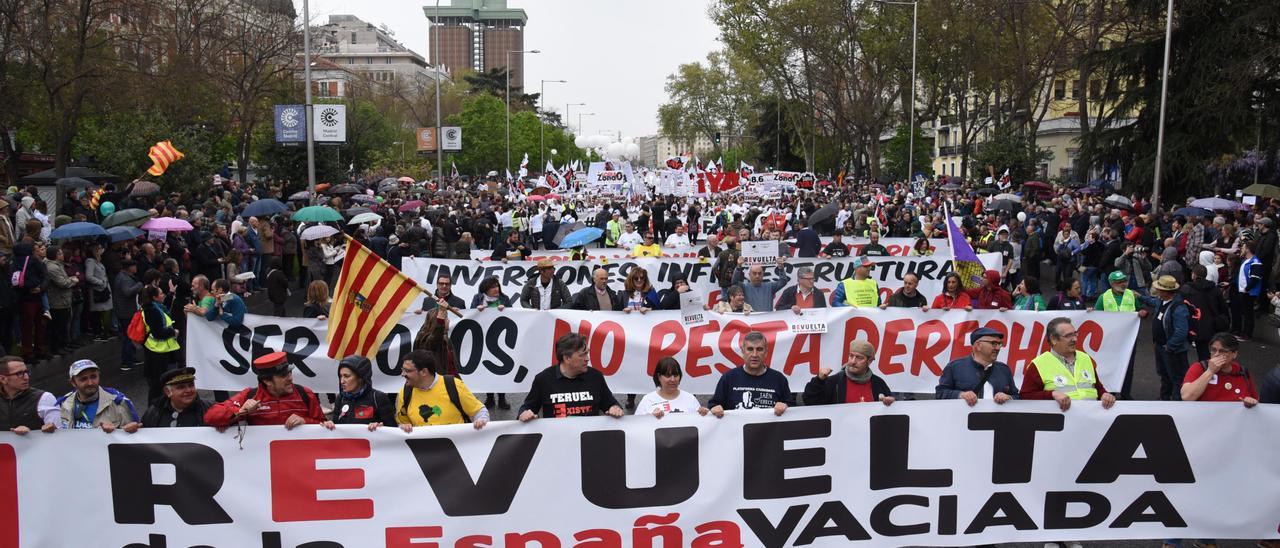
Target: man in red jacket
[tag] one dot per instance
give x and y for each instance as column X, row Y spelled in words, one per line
column 276, row 400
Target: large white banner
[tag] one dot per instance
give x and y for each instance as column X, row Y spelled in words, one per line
column 501, row 351
column 610, row 172
column 897, row 247
column 828, row 273
column 915, row 473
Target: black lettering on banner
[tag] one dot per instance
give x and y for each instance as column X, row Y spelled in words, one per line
column 882, row 516
column 764, row 471
column 450, row 480
column 468, row 340
column 468, row 275
column 1166, row 459
column 1001, row 509
column 402, row 341
column 770, row 535
column 927, row 270
column 1162, row 512
column 272, row 539
column 156, row 540
column 1014, row 441
column 235, row 340
column 823, row 271
column 604, row 469
column 890, row 450
column 947, row 505
column 198, row 475
column 1055, row 509
column 513, row 275
column 299, row 344
column 260, row 335
column 500, row 341
column 842, row 524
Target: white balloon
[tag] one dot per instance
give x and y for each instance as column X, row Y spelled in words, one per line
column 602, row 141
column 581, row 141
column 617, row 150
column 633, row 150
column 1022, row 216
column 554, row 152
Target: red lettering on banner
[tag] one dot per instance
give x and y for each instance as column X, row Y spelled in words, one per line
column 926, row 353
column 859, row 327
column 1090, row 336
column 295, row 480
column 1020, row 347
column 735, row 329
column 9, row 496
column 405, row 537
column 960, row 346
column 598, row 338
column 798, row 354
column 657, row 349
column 597, row 538
column 771, row 330
column 474, row 541
column 699, row 349
column 716, row 534
column 648, row 528
column 890, row 348
column 544, row 539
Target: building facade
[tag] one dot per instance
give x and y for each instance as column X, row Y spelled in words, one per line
column 362, row 49
column 655, row 149
column 478, row 35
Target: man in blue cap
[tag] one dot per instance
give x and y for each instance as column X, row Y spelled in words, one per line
column 967, row 378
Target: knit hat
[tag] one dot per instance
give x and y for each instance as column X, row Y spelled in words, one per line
column 862, row 346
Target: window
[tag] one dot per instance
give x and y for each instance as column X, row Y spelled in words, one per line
column 1095, row 89
column 1060, row 89
column 368, row 60
column 353, row 38
column 1076, row 90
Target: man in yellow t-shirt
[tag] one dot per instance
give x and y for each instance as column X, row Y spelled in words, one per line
column 434, row 399
column 648, row 248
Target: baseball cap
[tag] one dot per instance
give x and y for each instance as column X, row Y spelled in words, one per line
column 1117, row 276
column 81, row 366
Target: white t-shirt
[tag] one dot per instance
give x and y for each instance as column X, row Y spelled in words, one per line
column 684, row 403
column 629, row 240
column 677, row 240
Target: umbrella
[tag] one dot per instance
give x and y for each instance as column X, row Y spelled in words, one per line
column 388, row 186
column 950, row 186
column 318, row 231
column 346, row 189
column 370, row 217
column 1090, row 190
column 406, row 180
column 535, row 197
column 1192, row 212
column 1119, row 202
column 132, row 217
column 1219, row 204
column 582, row 236
column 988, row 191
column 75, row 182
column 1036, row 185
column 1266, row 191
column 166, row 224
column 353, row 211
column 1005, row 205
column 364, row 199
column 264, row 208
column 390, row 181
column 317, row 214
column 77, row 230
column 303, row 196
column 144, row 188
column 411, row 205
column 1007, row 196
column 553, row 196
column 124, row 233
column 49, row 176
column 565, row 230
column 828, row 211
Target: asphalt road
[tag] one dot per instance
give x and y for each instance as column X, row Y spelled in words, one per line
column 51, row 375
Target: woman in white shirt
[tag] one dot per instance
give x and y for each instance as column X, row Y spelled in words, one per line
column 668, row 398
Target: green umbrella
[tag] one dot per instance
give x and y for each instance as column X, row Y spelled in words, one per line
column 1266, row 191
column 317, row 214
column 126, row 217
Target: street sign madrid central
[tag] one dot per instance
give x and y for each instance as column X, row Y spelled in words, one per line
column 291, row 124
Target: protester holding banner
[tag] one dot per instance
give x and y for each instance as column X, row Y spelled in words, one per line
column 276, row 400
column 907, row 296
column 545, row 291
column 647, row 248
column 181, row 405
column 444, row 292
column 759, row 293
column 873, row 247
column 967, row 378
column 857, row 385
column 93, row 406
column 668, row 398
column 669, row 299
column 990, row 296
column 803, row 295
column 358, row 402
column 752, row 385
column 490, row 295
column 638, row 294
column 597, row 296
column 860, row 291
column 953, row 294
column 430, row 397
column 1063, row 373
column 23, row 408
column 569, row 388
column 836, row 248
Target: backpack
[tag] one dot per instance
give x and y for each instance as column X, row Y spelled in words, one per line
column 450, row 386
column 137, row 328
column 1193, row 317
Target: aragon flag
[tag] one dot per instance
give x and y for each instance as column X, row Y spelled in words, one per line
column 163, row 154
column 369, row 299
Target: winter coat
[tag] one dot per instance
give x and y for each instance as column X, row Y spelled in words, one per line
column 58, row 285
column 95, row 274
column 369, row 405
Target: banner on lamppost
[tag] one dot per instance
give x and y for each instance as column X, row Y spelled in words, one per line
column 427, row 139
column 291, row 124
column 451, row 138
column 330, row 123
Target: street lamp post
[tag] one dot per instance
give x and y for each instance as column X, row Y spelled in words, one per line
column 306, row 69
column 580, row 115
column 542, row 138
column 566, row 112
column 1164, row 98
column 439, row 145
column 509, row 52
column 911, row 129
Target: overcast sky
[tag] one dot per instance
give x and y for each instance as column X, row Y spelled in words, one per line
column 616, row 54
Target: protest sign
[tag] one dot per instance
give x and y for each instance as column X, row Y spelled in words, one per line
column 760, row 252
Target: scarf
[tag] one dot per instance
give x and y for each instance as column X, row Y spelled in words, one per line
column 862, row 378
column 353, row 396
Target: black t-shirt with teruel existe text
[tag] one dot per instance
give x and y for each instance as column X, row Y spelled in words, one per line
column 553, row 395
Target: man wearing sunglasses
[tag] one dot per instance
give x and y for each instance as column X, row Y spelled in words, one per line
column 968, row 378
column 22, row 408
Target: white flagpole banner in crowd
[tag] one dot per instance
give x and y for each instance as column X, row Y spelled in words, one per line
column 916, row 473
column 897, row 247
column 828, row 273
column 502, row 351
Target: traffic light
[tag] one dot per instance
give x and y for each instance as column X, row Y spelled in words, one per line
column 717, row 138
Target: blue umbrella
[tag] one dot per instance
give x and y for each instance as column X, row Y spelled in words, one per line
column 77, row 230
column 124, row 233
column 264, row 208
column 1193, row 212
column 582, row 236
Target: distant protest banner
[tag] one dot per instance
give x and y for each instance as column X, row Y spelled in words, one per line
column 889, row 273
column 501, row 351
column 925, row 473
column 897, row 247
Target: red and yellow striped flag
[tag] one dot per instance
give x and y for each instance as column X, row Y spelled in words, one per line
column 370, row 298
column 163, row 154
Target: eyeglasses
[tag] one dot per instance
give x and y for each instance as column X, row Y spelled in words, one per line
column 992, row 342
column 1070, row 335
column 23, row 373
column 1221, row 351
